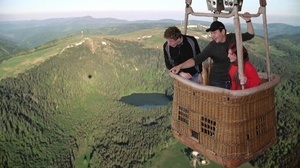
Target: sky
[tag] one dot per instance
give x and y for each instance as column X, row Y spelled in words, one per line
column 278, row 11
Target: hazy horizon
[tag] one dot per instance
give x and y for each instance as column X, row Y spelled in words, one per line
column 15, row 10
column 139, row 15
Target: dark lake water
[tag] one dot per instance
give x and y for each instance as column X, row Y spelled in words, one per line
column 146, row 100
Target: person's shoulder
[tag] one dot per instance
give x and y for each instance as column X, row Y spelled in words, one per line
column 165, row 46
column 230, row 38
column 212, row 42
column 249, row 65
column 165, row 43
column 188, row 36
column 230, row 35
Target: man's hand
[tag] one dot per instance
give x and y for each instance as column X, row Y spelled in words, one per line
column 246, row 16
column 200, row 79
column 175, row 69
column 186, row 75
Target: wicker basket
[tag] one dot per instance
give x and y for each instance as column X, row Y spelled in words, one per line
column 228, row 127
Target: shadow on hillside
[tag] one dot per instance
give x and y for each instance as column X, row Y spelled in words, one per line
column 146, row 100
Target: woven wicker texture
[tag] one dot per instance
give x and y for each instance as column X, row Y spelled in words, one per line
column 227, row 128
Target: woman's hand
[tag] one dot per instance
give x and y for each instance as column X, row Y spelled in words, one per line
column 243, row 79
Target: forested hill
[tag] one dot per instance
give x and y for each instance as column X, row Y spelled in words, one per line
column 9, row 47
column 60, row 101
column 289, row 44
column 65, row 112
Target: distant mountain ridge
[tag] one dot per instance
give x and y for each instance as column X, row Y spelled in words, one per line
column 32, row 33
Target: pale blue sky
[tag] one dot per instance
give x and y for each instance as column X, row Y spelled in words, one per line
column 277, row 10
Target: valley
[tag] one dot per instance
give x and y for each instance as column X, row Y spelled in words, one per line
column 60, row 101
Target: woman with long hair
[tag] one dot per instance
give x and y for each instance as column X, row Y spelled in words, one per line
column 250, row 77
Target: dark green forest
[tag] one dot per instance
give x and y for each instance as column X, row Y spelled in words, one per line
column 66, row 111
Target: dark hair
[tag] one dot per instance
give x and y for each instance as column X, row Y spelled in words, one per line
column 172, row 33
column 223, row 29
column 233, row 49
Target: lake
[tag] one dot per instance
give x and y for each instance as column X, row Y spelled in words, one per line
column 146, row 100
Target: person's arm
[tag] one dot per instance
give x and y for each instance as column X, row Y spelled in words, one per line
column 197, row 60
column 246, row 16
column 250, row 28
column 185, row 75
column 198, row 51
column 187, row 64
column 200, row 78
column 252, row 78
